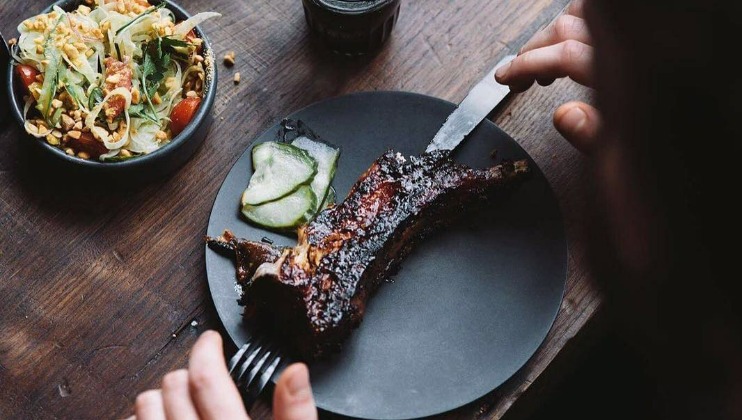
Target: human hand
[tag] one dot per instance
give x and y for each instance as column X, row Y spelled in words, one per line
column 206, row 391
column 562, row 49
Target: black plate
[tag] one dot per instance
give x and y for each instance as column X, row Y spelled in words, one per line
column 471, row 304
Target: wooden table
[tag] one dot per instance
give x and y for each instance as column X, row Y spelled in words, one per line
column 104, row 291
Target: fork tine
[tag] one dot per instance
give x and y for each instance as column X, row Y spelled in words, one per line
column 237, row 356
column 257, row 367
column 255, row 388
column 239, row 376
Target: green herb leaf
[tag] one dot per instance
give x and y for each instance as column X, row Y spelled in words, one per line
column 139, row 111
column 96, row 97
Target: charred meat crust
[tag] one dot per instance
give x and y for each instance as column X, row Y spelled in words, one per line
column 314, row 294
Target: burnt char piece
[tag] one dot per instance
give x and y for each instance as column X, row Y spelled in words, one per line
column 314, row 294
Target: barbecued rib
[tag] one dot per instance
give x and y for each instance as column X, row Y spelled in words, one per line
column 312, row 295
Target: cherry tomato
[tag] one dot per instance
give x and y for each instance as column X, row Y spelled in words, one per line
column 182, row 114
column 27, row 74
column 88, row 144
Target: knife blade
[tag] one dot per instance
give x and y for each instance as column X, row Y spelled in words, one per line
column 480, row 101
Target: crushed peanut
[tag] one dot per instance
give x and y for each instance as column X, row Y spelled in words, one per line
column 161, row 135
column 229, row 59
column 237, row 78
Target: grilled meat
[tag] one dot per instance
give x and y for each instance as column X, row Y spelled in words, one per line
column 314, row 294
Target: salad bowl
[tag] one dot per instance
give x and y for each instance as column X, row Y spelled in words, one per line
column 147, row 166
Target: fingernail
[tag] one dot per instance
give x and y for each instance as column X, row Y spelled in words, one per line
column 575, row 118
column 502, row 71
column 298, row 384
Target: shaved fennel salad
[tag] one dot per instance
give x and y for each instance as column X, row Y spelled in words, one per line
column 111, row 80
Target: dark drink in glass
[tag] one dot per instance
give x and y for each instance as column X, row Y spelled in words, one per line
column 352, row 27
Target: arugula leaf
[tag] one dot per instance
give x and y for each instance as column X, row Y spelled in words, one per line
column 140, row 17
column 138, row 111
column 168, row 42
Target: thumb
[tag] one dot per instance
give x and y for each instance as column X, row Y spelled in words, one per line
column 293, row 398
column 579, row 123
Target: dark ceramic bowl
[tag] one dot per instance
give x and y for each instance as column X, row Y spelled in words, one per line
column 156, row 164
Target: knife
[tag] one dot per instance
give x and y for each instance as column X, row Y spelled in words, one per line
column 480, row 101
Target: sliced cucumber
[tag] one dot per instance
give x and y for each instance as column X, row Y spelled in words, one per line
column 289, row 212
column 280, row 169
column 327, row 159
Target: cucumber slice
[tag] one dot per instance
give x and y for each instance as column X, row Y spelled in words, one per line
column 327, row 159
column 280, row 169
column 289, row 212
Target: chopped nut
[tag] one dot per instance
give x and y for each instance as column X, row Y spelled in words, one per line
column 157, row 100
column 32, row 129
column 199, row 59
column 125, row 153
column 75, row 134
column 52, row 140
column 39, row 49
column 57, row 134
column 161, row 135
column 237, row 78
column 67, row 122
column 56, row 103
column 77, row 115
column 71, row 51
column 191, row 94
column 77, row 126
column 136, row 96
column 69, row 151
column 113, row 79
column 229, row 59
column 83, row 155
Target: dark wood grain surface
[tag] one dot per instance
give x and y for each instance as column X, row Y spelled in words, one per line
column 102, row 288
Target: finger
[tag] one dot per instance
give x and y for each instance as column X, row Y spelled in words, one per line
column 576, row 8
column 567, row 59
column 148, row 406
column 564, row 28
column 212, row 390
column 293, row 398
column 579, row 123
column 176, row 397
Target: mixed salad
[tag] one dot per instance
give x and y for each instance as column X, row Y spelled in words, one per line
column 111, row 80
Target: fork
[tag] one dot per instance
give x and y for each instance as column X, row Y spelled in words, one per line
column 253, row 367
